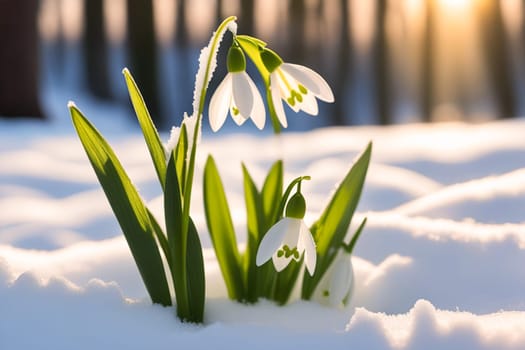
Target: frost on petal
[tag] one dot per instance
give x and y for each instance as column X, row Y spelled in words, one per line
column 242, row 94
column 220, row 103
column 276, row 99
column 271, row 241
column 340, row 279
column 311, row 80
column 258, row 113
column 306, row 243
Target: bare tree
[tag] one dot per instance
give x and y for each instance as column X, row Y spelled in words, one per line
column 497, row 57
column 19, row 68
column 381, row 65
column 95, row 50
column 142, row 53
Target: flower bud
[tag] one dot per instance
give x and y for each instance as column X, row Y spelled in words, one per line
column 236, row 61
column 296, row 207
column 270, row 59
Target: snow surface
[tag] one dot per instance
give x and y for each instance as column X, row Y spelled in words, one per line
column 441, row 264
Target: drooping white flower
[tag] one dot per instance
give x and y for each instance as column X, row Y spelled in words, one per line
column 236, row 94
column 336, row 286
column 288, row 239
column 298, row 85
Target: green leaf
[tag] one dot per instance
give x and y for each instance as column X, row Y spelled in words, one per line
column 221, row 230
column 151, row 136
column 127, row 206
column 196, row 278
column 331, row 228
column 181, row 153
column 271, row 194
column 161, row 238
column 173, row 217
column 255, row 225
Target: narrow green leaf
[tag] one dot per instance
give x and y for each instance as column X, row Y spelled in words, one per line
column 196, row 278
column 181, row 153
column 331, row 228
column 271, row 193
column 173, row 217
column 221, row 230
column 161, row 238
column 127, row 206
column 255, row 223
column 151, row 136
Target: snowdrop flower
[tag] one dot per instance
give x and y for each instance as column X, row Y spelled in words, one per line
column 236, row 93
column 288, row 239
column 336, row 286
column 296, row 84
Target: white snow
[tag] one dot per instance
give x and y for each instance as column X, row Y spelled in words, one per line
column 440, row 265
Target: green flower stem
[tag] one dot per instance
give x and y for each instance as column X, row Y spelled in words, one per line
column 191, row 165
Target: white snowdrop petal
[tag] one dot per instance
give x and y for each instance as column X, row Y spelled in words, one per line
column 271, row 241
column 280, row 263
column 276, row 99
column 237, row 117
column 340, row 279
column 258, row 113
column 242, row 94
column 220, row 103
column 307, row 243
column 309, row 104
column 311, row 80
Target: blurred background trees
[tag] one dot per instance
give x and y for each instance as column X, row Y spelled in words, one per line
column 388, row 61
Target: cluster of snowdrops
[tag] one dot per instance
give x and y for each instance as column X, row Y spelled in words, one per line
column 281, row 250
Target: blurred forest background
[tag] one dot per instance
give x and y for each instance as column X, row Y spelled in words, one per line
column 388, row 61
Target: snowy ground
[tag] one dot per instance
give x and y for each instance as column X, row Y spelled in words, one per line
column 441, row 264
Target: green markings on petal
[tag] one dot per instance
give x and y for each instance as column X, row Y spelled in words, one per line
column 302, row 89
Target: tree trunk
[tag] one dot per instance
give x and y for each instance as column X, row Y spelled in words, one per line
column 427, row 66
column 95, row 50
column 497, row 57
column 344, row 64
column 381, row 66
column 247, row 17
column 296, row 30
column 19, row 60
column 143, row 53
